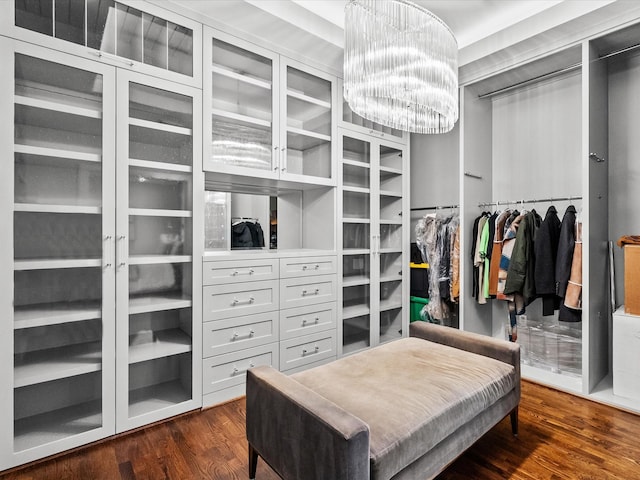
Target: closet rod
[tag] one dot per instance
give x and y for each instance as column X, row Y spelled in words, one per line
column 532, row 80
column 438, row 207
column 533, row 200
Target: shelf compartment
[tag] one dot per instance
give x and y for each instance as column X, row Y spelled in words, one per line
column 56, row 120
column 35, row 288
column 51, row 411
column 55, row 313
column 156, row 397
column 238, row 117
column 241, row 77
column 40, row 236
column 355, row 204
column 355, row 311
column 356, row 333
column 163, row 233
column 159, row 193
column 390, row 325
column 230, row 98
column 56, row 363
column 355, row 175
column 301, row 139
column 160, row 109
column 390, row 158
column 390, row 210
column 58, row 183
column 308, row 155
column 390, row 236
column 244, row 65
column 160, row 146
column 390, row 263
column 355, row 235
column 308, row 85
column 164, row 343
column 354, row 163
column 355, row 267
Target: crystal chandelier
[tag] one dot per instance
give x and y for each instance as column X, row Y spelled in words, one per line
column 400, row 66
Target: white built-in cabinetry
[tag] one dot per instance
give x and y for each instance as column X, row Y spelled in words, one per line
column 558, row 126
column 373, row 201
column 101, row 306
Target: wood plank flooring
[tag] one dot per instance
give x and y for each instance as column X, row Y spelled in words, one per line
column 561, row 437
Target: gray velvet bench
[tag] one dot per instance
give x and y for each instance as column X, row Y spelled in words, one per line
column 402, row 410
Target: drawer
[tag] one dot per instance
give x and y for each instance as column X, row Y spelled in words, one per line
column 236, row 271
column 298, row 292
column 307, row 266
column 225, row 301
column 232, row 334
column 296, row 352
column 226, row 371
column 304, row 320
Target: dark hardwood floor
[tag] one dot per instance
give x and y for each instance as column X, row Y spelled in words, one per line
column 561, row 437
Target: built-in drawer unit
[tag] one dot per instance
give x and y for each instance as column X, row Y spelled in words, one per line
column 307, row 266
column 230, row 370
column 305, row 320
column 236, row 271
column 307, row 349
column 298, row 292
column 232, row 334
column 225, row 301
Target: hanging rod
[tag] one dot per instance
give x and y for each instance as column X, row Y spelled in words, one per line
column 533, row 200
column 532, row 80
column 438, row 207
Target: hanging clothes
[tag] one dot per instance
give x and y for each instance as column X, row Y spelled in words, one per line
column 478, row 259
column 496, row 252
column 546, row 251
column 566, row 244
column 520, row 276
column 455, row 265
column 571, row 309
column 508, row 242
column 247, row 234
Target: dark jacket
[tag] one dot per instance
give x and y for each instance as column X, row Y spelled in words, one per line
column 520, row 276
column 566, row 245
column 546, row 250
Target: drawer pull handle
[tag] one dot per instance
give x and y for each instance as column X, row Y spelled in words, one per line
column 315, row 321
column 317, row 266
column 236, row 335
column 306, row 293
column 240, row 302
column 235, row 273
column 237, row 371
column 316, row 349
column 304, row 267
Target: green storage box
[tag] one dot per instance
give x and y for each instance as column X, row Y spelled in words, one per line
column 416, row 306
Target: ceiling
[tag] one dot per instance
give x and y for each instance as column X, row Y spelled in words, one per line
column 313, row 29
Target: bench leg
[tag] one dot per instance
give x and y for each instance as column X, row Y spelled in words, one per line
column 253, row 462
column 514, row 421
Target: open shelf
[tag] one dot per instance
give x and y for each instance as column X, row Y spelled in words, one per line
column 56, row 153
column 20, row 265
column 164, row 344
column 55, row 313
column 56, row 425
column 55, row 363
column 155, row 397
column 156, row 303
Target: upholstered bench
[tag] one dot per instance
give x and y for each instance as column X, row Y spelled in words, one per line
column 402, row 410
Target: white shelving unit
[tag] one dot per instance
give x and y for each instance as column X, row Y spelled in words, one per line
column 372, row 197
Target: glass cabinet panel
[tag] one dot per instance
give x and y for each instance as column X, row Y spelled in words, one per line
column 242, row 107
column 58, row 238
column 159, row 239
column 308, row 124
column 111, row 27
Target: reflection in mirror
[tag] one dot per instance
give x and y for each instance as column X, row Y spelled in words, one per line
column 240, row 221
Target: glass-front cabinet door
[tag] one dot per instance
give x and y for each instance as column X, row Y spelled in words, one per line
column 241, row 87
column 374, row 231
column 307, row 124
column 357, row 253
column 159, row 137
column 58, row 291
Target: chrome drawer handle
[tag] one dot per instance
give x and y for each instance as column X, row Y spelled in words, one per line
column 237, row 370
column 315, row 321
column 235, row 273
column 317, row 267
column 240, row 302
column 236, row 335
column 306, row 293
column 310, row 352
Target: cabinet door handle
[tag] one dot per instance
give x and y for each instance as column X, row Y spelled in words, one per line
column 276, row 159
column 283, row 151
column 120, row 251
column 317, row 267
column 116, row 58
column 236, row 335
column 305, row 352
column 249, row 301
column 235, row 273
column 107, row 253
column 306, row 293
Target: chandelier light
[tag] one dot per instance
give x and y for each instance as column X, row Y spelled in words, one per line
column 400, row 66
